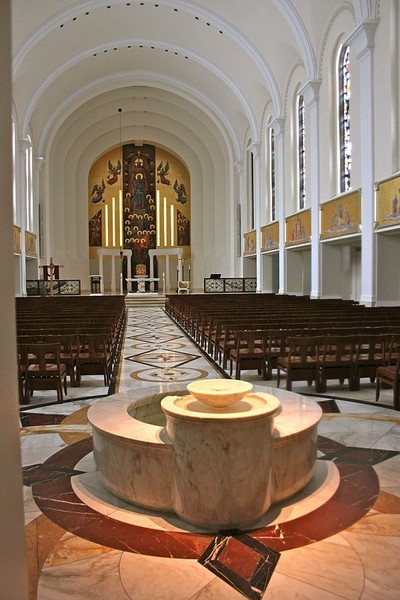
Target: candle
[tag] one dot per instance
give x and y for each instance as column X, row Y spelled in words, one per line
column 165, row 222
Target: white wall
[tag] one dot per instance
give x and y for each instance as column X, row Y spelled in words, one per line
column 194, row 139
column 13, row 566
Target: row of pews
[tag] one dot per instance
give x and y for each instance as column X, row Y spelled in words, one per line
column 64, row 338
column 299, row 338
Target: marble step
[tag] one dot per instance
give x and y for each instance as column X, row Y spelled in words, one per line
column 144, row 299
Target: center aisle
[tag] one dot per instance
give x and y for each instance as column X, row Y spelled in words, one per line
column 155, row 350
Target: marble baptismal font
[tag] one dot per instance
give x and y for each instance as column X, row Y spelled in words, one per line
column 218, row 456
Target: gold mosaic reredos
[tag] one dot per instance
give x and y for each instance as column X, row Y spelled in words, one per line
column 99, row 172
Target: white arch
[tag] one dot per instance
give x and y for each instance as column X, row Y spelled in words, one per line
column 236, row 35
column 157, row 81
column 133, row 74
column 363, row 10
column 304, row 43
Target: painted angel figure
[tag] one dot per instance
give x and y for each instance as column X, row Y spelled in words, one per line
column 180, row 190
column 162, row 172
column 99, row 190
column 113, row 172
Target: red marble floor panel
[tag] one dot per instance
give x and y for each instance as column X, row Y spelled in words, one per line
column 242, row 562
column 356, row 494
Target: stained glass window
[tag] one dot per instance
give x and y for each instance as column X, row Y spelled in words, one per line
column 272, row 173
column 344, row 119
column 252, row 215
column 14, row 172
column 302, row 152
column 29, row 184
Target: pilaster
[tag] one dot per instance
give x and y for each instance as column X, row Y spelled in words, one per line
column 310, row 93
column 278, row 125
column 362, row 43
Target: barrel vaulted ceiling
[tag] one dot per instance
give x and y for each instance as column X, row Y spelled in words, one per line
column 211, row 64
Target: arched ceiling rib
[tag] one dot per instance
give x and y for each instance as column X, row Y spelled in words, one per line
column 155, row 87
column 209, row 52
column 223, row 85
column 176, row 33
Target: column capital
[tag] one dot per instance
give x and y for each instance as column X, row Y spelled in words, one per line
column 362, row 38
column 278, row 125
column 255, row 149
column 310, row 91
column 24, row 144
column 38, row 161
column 238, row 165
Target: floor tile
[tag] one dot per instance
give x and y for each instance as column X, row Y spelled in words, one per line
column 338, row 538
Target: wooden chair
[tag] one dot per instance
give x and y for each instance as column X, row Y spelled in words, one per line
column 69, row 346
column 277, row 346
column 226, row 343
column 22, row 360
column 249, row 352
column 94, row 356
column 301, row 363
column 43, row 369
column 141, row 270
column 388, row 375
column 337, row 360
column 370, row 354
column 183, row 287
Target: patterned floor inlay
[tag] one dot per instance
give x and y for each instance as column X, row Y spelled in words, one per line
column 361, row 456
column 329, row 406
column 163, row 358
column 244, row 563
column 339, row 538
column 356, row 494
column 29, row 419
column 169, row 375
column 155, row 338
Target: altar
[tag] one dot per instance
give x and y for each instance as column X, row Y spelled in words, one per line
column 142, row 285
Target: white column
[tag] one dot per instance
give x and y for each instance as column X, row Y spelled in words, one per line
column 255, row 149
column 113, row 273
column 151, row 256
column 38, row 163
column 179, row 268
column 101, row 273
column 23, row 145
column 278, row 125
column 362, row 41
column 394, row 63
column 168, row 283
column 129, row 263
column 311, row 99
column 241, row 223
column 13, row 560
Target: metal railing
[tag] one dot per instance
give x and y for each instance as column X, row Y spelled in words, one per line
column 230, row 285
column 61, row 287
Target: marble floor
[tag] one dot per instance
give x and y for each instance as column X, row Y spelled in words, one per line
column 337, row 539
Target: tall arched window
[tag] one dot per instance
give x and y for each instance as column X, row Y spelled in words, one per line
column 272, row 173
column 301, row 151
column 344, row 119
column 251, row 190
column 14, row 145
column 29, row 185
